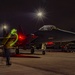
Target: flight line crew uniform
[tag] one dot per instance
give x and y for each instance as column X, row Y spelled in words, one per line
column 6, row 48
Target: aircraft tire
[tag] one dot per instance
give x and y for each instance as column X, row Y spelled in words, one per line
column 17, row 51
column 32, row 51
column 43, row 52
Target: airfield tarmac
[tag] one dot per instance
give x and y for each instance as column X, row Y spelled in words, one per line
column 53, row 63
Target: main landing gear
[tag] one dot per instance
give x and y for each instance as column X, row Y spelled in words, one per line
column 43, row 48
column 43, row 52
column 32, row 50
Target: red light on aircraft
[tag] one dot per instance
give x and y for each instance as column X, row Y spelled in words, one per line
column 34, row 36
column 21, row 37
column 50, row 43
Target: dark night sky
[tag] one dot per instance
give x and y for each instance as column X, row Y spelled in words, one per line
column 60, row 13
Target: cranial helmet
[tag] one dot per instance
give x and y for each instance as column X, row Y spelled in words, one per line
column 13, row 31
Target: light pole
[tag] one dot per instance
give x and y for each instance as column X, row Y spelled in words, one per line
column 4, row 30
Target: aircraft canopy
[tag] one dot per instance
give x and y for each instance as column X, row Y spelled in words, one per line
column 47, row 28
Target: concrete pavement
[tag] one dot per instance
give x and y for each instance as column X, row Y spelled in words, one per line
column 53, row 63
column 16, row 69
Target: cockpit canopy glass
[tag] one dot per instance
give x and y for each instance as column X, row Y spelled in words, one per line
column 47, row 28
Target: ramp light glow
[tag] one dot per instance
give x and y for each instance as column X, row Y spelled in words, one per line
column 40, row 14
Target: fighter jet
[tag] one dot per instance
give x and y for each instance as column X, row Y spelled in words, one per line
column 53, row 34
